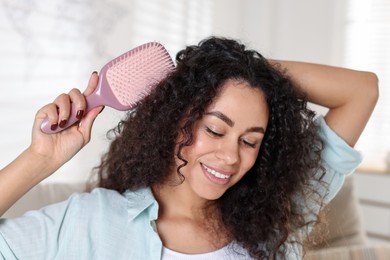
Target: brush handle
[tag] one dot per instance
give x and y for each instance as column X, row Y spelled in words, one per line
column 93, row 100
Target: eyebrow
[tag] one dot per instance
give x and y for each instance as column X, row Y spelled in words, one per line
column 223, row 117
column 258, row 129
column 230, row 122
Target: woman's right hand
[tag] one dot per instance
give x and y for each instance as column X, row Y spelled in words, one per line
column 48, row 152
column 56, row 149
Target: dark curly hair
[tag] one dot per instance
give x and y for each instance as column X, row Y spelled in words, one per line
column 260, row 211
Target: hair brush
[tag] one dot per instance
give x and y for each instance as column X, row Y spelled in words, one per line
column 125, row 80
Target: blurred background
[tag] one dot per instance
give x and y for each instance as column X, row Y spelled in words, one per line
column 51, row 46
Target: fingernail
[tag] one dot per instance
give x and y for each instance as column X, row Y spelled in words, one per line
column 79, row 114
column 62, row 123
column 95, row 72
column 53, row 127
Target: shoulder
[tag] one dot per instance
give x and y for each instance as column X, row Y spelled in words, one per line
column 112, row 203
column 79, row 207
column 98, row 197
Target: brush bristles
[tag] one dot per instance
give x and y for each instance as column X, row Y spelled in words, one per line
column 132, row 75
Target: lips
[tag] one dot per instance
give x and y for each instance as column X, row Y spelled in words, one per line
column 215, row 176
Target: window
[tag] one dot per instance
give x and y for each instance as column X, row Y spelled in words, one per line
column 49, row 47
column 367, row 47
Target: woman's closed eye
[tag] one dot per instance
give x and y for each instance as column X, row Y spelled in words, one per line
column 244, row 141
column 213, row 132
column 248, row 143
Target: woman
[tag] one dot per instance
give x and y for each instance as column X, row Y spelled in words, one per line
column 223, row 160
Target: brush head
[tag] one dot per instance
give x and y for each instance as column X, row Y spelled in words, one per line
column 132, row 75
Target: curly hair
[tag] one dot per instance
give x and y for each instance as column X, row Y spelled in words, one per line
column 260, row 210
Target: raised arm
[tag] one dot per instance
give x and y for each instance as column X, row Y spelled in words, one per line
column 350, row 95
column 47, row 153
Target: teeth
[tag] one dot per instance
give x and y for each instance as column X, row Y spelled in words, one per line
column 216, row 174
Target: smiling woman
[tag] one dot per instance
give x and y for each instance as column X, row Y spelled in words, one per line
column 223, row 160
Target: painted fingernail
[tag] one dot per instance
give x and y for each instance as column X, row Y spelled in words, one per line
column 53, row 127
column 62, row 123
column 79, row 114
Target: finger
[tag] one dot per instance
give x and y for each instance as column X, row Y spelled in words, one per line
column 50, row 111
column 85, row 125
column 79, row 103
column 92, row 84
column 63, row 103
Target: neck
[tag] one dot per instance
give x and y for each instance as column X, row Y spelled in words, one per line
column 186, row 222
column 176, row 199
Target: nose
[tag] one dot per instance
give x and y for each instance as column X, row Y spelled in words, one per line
column 228, row 152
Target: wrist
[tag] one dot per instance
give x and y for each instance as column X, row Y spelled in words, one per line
column 18, row 177
column 39, row 166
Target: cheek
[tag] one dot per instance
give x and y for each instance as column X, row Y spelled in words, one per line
column 250, row 160
column 186, row 153
column 198, row 144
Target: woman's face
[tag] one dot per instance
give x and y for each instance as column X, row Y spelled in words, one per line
column 226, row 140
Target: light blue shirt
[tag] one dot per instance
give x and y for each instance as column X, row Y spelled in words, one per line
column 104, row 224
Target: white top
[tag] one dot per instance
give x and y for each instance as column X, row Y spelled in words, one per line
column 229, row 252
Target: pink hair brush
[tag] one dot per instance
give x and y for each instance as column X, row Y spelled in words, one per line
column 125, row 80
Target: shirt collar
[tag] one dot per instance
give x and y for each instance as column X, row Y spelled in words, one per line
column 141, row 201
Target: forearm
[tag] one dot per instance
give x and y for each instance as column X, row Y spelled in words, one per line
column 47, row 153
column 26, row 171
column 350, row 95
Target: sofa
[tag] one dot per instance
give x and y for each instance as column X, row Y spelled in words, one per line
column 340, row 237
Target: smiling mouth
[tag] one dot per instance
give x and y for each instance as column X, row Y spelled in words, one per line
column 215, row 173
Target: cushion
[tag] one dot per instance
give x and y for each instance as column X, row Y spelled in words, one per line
column 42, row 195
column 343, row 224
column 372, row 252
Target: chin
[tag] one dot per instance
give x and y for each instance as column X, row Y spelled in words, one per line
column 212, row 195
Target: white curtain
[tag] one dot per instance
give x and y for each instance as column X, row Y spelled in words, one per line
column 367, row 46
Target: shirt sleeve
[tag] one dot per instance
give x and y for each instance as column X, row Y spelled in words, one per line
column 86, row 226
column 339, row 160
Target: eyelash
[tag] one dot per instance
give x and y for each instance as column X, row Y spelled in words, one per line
column 213, row 133
column 251, row 145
